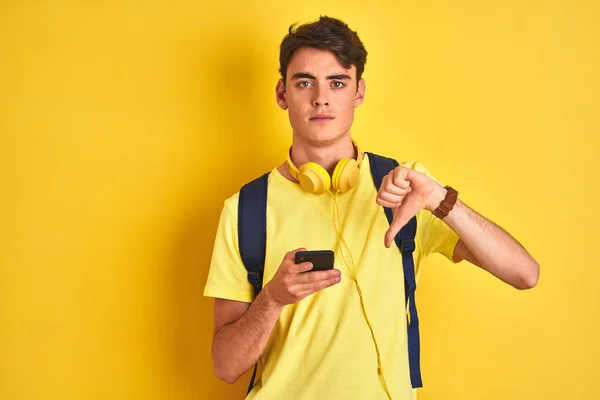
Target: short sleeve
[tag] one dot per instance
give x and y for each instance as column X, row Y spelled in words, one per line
column 433, row 233
column 437, row 237
column 227, row 276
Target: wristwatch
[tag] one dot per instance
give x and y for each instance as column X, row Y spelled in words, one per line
column 447, row 204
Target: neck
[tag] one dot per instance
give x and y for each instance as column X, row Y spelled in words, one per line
column 326, row 155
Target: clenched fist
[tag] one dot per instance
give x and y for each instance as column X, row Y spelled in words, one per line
column 407, row 191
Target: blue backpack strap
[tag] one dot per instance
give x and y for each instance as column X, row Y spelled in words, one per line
column 252, row 233
column 252, row 229
column 405, row 240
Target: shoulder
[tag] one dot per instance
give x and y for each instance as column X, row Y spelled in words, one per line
column 407, row 164
column 415, row 165
column 232, row 202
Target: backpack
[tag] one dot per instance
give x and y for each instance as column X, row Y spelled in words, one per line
column 252, row 230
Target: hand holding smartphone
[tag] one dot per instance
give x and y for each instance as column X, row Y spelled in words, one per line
column 321, row 259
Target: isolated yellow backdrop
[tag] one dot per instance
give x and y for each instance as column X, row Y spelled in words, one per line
column 124, row 126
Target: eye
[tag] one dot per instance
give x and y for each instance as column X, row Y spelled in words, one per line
column 304, row 84
column 338, row 84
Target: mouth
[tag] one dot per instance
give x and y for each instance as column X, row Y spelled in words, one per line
column 322, row 118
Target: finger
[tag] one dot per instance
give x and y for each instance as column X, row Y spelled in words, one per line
column 309, row 288
column 391, row 198
column 392, row 231
column 402, row 215
column 317, row 276
column 387, row 184
column 291, row 255
column 298, row 268
column 399, row 177
column 387, row 204
column 391, row 188
column 400, row 219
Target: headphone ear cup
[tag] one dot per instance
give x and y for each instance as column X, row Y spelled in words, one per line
column 314, row 178
column 346, row 175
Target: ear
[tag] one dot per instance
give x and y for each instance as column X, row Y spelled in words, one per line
column 280, row 95
column 360, row 93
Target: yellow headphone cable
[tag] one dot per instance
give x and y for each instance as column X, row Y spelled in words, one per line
column 342, row 243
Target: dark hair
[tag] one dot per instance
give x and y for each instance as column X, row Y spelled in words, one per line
column 325, row 34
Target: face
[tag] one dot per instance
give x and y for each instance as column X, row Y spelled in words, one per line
column 320, row 95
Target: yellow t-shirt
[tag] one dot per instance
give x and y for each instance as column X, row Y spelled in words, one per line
column 321, row 347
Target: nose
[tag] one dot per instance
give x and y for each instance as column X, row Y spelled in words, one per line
column 321, row 96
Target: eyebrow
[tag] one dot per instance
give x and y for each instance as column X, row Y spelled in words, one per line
column 300, row 75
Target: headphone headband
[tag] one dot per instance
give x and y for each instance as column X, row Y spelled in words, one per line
column 295, row 173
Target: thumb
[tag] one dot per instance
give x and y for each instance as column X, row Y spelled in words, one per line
column 291, row 255
column 398, row 222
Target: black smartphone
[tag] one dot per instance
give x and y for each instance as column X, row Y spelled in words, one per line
column 320, row 259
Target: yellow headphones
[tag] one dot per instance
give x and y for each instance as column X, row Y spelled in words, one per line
column 315, row 179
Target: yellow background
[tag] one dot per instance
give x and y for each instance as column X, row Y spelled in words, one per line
column 124, row 126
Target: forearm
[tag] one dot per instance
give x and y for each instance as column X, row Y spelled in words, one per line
column 495, row 250
column 238, row 346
